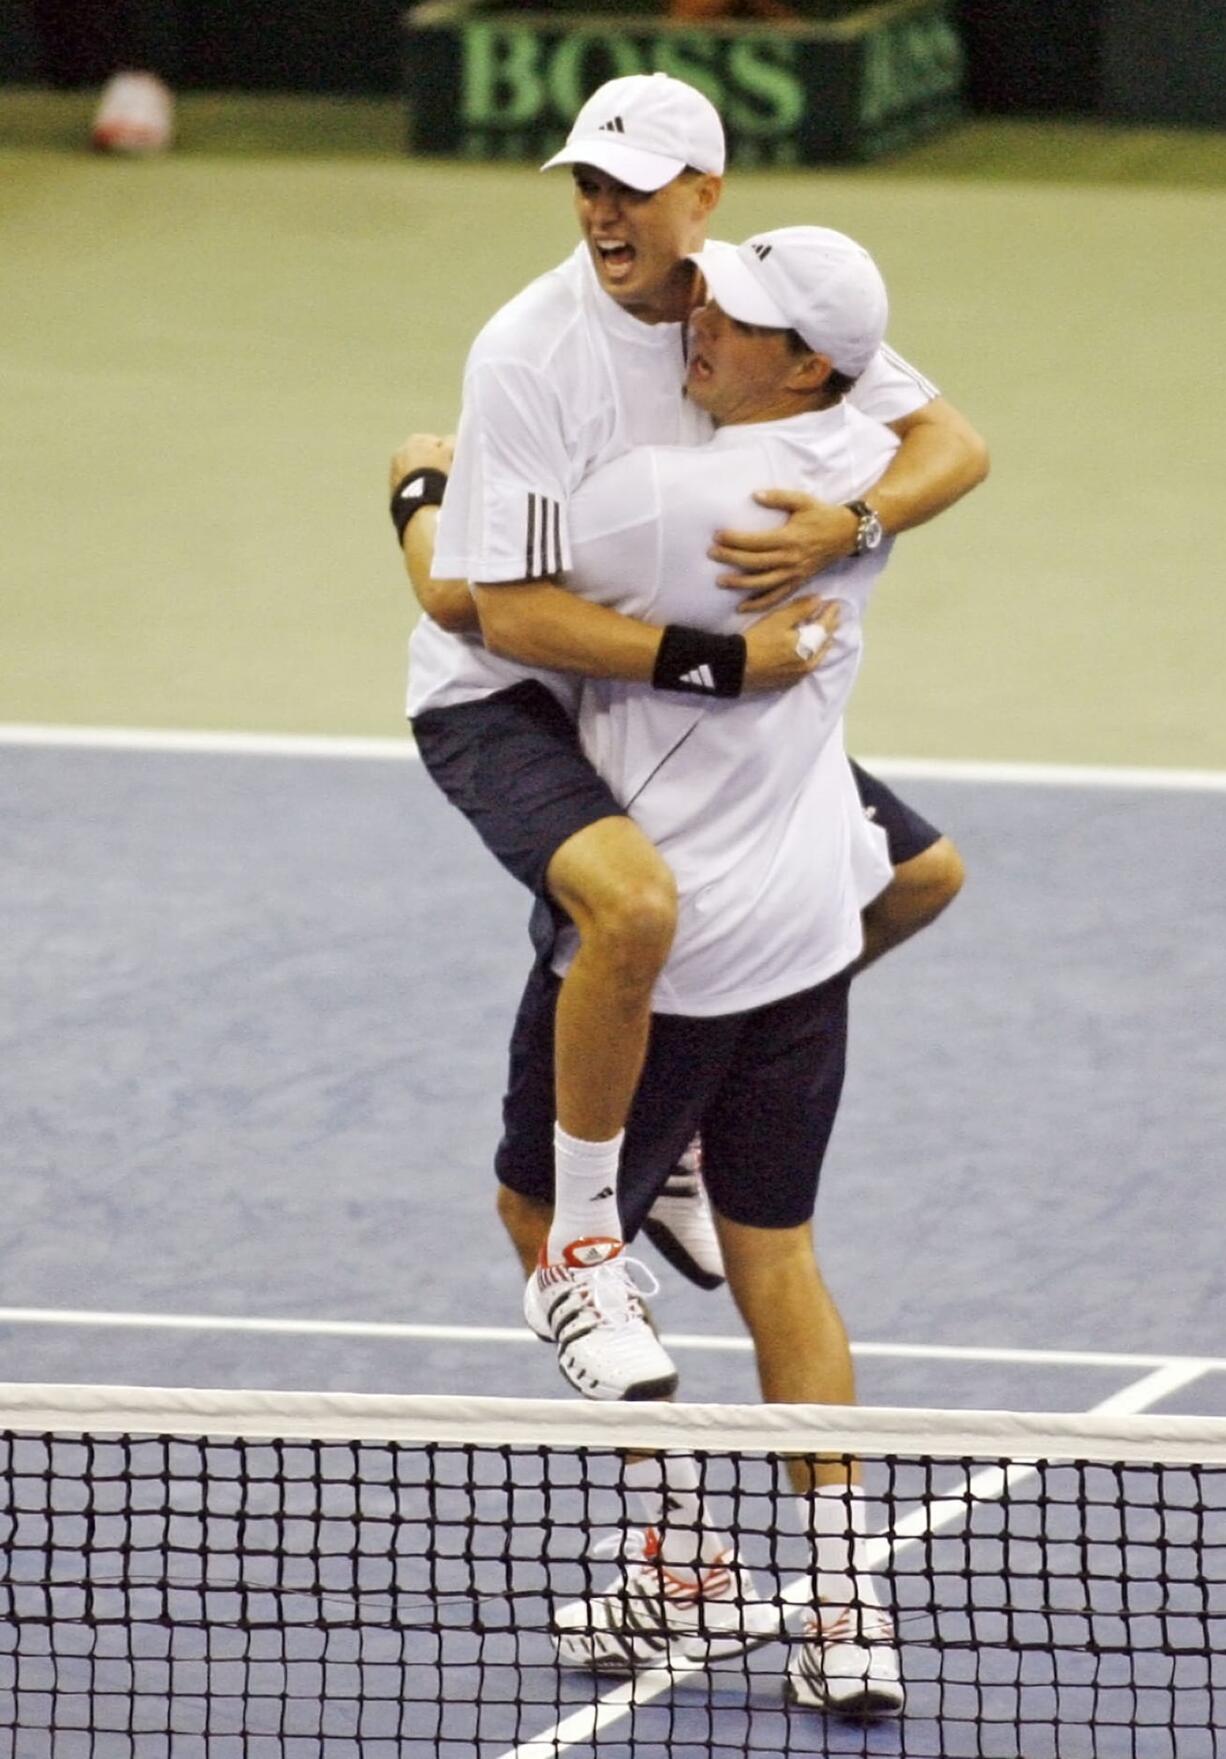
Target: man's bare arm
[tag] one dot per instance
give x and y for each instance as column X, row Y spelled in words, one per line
column 542, row 624
column 941, row 458
column 448, row 602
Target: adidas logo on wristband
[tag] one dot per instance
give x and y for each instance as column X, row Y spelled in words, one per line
column 701, row 664
column 701, row 678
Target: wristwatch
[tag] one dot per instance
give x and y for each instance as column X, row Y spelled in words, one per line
column 868, row 533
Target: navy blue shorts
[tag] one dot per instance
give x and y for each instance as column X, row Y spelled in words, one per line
column 513, row 765
column 763, row 1087
column 906, row 833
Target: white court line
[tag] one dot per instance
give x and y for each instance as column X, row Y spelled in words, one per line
column 519, row 1334
column 1047, row 775
column 172, row 742
column 154, row 739
column 987, row 1485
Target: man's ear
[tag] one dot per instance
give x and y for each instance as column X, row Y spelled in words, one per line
column 709, row 192
column 810, row 372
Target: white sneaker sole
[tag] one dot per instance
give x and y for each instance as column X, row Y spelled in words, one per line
column 669, row 1243
column 866, row 1702
column 621, row 1659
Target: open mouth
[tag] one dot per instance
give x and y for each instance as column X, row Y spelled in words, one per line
column 614, row 255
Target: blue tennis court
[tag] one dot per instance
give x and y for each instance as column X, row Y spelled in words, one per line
column 256, row 1018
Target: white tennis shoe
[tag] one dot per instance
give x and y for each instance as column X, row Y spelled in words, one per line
column 680, row 1226
column 591, row 1307
column 653, row 1614
column 848, row 1663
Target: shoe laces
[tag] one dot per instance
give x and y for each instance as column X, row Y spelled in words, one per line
column 613, row 1294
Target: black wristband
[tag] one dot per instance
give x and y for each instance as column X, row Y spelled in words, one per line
column 705, row 665
column 419, row 488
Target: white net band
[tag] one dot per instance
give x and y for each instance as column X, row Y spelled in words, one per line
column 564, row 1423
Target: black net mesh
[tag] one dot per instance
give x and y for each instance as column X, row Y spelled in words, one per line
column 170, row 1598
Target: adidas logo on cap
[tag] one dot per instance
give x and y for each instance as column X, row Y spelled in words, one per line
column 643, row 129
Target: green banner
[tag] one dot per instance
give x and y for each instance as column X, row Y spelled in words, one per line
column 506, row 86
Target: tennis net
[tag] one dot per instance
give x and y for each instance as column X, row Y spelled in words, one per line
column 237, row 1576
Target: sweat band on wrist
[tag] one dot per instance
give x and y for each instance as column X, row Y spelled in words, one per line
column 420, row 488
column 705, row 665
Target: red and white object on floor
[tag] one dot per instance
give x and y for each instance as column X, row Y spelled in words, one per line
column 136, row 115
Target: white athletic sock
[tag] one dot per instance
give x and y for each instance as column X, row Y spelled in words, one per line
column 585, row 1191
column 838, row 1520
column 665, row 1492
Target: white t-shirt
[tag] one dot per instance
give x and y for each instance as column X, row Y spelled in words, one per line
column 559, row 382
column 750, row 801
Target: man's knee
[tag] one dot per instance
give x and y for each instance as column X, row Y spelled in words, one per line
column 940, row 874
column 921, row 888
column 619, row 892
column 635, row 923
column 756, row 1259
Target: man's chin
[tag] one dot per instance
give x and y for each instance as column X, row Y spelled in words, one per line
column 626, row 290
column 614, row 278
column 633, row 283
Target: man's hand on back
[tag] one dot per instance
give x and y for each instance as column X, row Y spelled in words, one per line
column 771, row 564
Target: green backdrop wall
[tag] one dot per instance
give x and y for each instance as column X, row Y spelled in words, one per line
column 1133, row 60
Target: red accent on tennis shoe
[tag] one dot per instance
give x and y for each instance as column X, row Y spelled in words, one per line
column 583, row 1254
column 711, row 1581
column 862, row 1623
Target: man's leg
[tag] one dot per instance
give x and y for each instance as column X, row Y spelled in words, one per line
column 682, row 1590
column 681, row 1584
column 928, row 875
column 618, row 891
column 800, row 1343
column 512, row 764
column 587, row 1303
column 766, row 1136
column 919, row 891
column 928, row 870
column 526, row 1220
column 848, row 1660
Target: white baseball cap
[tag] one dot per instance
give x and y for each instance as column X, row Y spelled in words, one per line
column 819, row 283
column 644, row 130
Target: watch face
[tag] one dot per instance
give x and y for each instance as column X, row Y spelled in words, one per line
column 870, row 532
